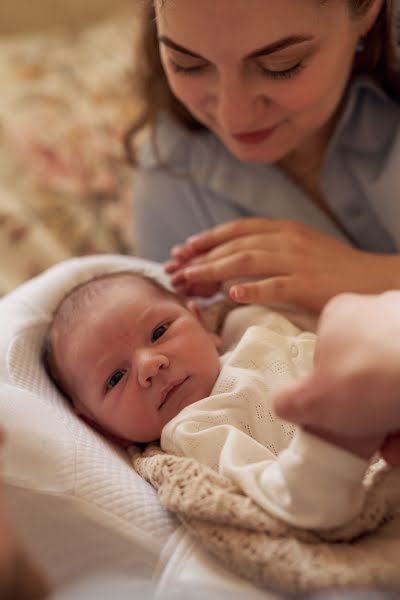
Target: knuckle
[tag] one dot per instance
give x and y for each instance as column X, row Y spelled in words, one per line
column 256, row 293
column 237, row 227
column 246, row 259
column 297, row 241
column 280, row 288
column 293, row 227
column 296, row 237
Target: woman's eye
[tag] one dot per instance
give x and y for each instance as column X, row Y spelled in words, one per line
column 158, row 332
column 190, row 69
column 115, row 379
column 283, row 74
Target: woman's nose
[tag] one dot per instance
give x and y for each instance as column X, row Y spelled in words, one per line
column 149, row 363
column 239, row 106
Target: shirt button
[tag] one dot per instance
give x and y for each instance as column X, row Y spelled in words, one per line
column 294, row 351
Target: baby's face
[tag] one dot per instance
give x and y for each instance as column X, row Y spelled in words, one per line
column 135, row 358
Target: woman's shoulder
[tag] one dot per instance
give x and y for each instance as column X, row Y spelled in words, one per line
column 370, row 116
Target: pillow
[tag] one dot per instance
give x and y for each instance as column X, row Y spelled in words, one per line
column 86, row 499
column 80, row 507
column 66, row 99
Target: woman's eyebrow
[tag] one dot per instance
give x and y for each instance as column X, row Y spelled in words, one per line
column 264, row 51
column 171, row 44
column 281, row 44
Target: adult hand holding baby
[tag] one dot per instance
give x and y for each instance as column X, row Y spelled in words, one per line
column 352, row 396
column 286, row 261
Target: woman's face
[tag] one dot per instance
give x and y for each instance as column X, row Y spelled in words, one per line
column 266, row 76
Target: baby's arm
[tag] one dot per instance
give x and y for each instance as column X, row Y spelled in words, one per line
column 311, row 484
column 317, row 484
column 351, row 398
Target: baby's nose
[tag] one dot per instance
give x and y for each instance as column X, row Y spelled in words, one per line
column 149, row 364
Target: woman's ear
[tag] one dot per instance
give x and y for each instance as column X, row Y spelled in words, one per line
column 369, row 18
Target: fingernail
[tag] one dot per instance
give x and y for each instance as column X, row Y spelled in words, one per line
column 237, row 293
column 189, row 272
column 193, row 238
column 176, row 250
column 170, row 266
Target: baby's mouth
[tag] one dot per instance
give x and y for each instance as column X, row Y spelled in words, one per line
column 169, row 391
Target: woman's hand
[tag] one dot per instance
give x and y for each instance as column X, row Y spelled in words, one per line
column 352, row 396
column 286, row 262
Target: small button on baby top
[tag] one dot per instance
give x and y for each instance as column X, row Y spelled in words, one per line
column 294, row 351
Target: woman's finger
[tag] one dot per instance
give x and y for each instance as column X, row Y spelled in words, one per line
column 181, row 252
column 273, row 242
column 204, row 290
column 278, row 288
column 258, row 242
column 242, row 264
column 220, row 234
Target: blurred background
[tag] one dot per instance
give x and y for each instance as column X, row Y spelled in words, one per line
column 66, row 98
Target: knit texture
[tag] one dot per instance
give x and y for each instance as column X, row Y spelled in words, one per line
column 264, row 549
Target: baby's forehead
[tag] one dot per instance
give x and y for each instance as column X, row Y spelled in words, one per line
column 84, row 297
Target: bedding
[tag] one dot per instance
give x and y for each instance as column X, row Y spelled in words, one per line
column 260, row 547
column 77, row 501
column 65, row 189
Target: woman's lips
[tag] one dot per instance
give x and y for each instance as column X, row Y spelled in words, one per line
column 254, row 137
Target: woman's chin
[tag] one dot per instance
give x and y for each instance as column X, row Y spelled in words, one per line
column 258, row 153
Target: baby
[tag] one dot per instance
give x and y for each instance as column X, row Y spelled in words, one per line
column 138, row 364
column 129, row 355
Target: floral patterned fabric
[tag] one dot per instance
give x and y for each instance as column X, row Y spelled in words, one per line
column 65, row 189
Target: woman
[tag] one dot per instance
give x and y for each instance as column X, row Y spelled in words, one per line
column 279, row 121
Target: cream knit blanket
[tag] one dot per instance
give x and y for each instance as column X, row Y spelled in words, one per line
column 260, row 547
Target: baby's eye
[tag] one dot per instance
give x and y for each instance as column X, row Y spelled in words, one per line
column 115, row 379
column 158, row 332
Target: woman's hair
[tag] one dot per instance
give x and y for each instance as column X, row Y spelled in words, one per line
column 151, row 86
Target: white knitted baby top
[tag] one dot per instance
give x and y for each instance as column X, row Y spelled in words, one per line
column 293, row 475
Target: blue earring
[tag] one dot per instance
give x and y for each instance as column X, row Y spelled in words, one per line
column 360, row 46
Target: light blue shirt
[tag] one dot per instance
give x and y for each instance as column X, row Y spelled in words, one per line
column 202, row 184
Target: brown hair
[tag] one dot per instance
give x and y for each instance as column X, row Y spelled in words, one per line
column 151, row 84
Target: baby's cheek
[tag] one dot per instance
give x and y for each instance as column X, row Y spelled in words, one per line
column 145, row 424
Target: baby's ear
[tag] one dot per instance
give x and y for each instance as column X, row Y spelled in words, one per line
column 194, row 308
